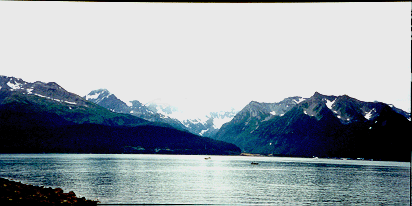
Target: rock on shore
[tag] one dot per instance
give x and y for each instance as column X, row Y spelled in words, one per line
column 17, row 193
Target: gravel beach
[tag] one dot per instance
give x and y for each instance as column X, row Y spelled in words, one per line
column 17, row 193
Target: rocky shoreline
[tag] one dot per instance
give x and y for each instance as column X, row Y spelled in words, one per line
column 17, row 193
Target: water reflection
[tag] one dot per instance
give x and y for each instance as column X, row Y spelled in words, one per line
column 179, row 179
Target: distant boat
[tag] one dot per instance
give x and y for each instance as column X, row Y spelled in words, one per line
column 208, row 158
column 254, row 163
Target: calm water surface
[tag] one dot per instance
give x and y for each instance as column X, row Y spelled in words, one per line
column 190, row 179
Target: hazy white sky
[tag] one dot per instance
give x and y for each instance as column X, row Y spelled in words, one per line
column 211, row 56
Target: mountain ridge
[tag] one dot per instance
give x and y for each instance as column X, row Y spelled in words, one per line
column 154, row 111
column 322, row 125
column 44, row 117
column 109, row 101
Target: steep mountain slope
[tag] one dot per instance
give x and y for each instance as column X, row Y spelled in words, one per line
column 18, row 95
column 43, row 117
column 245, row 122
column 326, row 126
column 109, row 101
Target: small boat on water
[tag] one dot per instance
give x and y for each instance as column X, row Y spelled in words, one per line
column 208, row 158
column 254, row 163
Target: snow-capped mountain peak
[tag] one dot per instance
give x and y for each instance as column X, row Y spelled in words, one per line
column 204, row 124
column 108, row 100
column 50, row 91
column 98, row 95
column 344, row 108
column 316, row 123
column 15, row 83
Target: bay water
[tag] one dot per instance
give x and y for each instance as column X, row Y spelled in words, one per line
column 192, row 179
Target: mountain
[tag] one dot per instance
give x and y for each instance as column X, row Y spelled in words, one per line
column 44, row 117
column 20, row 96
column 246, row 121
column 204, row 125
column 109, row 101
column 323, row 126
column 210, row 124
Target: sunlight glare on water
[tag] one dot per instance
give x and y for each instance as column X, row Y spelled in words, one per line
column 190, row 179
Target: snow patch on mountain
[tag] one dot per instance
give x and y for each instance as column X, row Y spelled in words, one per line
column 29, row 91
column 299, row 100
column 69, row 102
column 39, row 95
column 14, row 85
column 368, row 115
column 93, row 96
column 330, row 103
column 57, row 100
column 99, row 94
column 203, row 131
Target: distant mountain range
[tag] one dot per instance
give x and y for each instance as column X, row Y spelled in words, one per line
column 206, row 126
column 322, row 126
column 109, row 101
column 210, row 124
column 44, row 117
